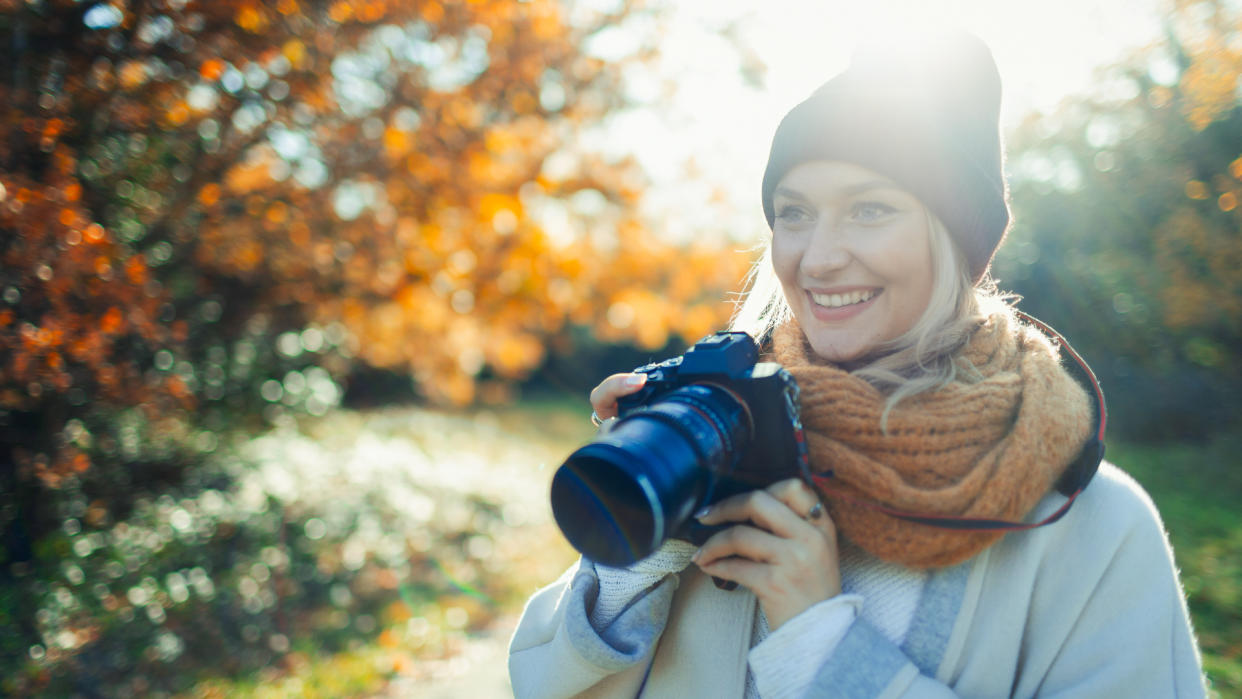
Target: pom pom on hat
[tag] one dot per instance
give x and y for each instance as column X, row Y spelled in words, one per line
column 924, row 113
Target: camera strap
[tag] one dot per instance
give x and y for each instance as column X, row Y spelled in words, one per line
column 1071, row 483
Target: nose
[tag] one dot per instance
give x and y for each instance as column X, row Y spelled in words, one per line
column 826, row 253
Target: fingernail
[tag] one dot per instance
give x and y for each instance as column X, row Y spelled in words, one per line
column 702, row 513
column 697, row 555
column 636, row 380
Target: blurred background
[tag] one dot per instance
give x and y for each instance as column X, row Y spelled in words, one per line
column 301, row 299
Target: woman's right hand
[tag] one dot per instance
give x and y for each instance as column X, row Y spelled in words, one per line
column 604, row 396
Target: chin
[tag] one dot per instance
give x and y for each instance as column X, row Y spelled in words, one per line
column 837, row 353
column 841, row 342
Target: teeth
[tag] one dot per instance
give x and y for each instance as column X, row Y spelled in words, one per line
column 839, row 300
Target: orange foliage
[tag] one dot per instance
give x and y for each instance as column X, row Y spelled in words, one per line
column 1198, row 247
column 1209, row 83
column 211, row 69
column 65, row 278
column 422, row 222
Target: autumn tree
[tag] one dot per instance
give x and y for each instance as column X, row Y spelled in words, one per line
column 212, row 210
column 1127, row 226
column 202, row 199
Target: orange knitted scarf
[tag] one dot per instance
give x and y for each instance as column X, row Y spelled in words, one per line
column 987, row 448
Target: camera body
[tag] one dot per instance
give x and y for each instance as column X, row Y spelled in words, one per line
column 768, row 393
column 706, row 425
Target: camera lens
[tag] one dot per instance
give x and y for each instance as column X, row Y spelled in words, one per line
column 619, row 497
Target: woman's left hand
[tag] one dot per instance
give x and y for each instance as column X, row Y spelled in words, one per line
column 783, row 548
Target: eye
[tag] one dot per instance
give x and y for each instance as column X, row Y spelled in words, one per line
column 792, row 215
column 871, row 211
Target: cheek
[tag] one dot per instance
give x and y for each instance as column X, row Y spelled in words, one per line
column 922, row 264
column 785, row 261
column 915, row 268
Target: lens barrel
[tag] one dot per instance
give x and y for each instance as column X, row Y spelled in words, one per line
column 619, row 497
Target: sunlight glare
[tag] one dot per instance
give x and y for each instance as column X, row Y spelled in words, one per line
column 716, row 116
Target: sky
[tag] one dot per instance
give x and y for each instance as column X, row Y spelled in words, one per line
column 701, row 108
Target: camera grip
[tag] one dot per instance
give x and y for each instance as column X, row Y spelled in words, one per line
column 698, row 534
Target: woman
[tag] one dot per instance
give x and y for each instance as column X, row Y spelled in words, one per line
column 923, row 393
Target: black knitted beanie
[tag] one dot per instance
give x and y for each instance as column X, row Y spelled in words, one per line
column 927, row 118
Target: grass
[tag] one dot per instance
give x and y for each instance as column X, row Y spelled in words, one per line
column 1197, row 487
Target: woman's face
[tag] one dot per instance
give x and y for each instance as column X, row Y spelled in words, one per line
column 853, row 254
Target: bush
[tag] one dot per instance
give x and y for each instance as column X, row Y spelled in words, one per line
column 299, row 543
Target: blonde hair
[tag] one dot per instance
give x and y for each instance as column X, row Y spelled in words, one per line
column 921, row 359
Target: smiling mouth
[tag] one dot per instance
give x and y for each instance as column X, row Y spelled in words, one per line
column 842, row 300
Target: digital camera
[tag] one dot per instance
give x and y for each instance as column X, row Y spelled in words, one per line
column 709, row 424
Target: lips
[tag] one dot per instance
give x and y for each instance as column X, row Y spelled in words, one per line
column 843, row 299
column 836, row 306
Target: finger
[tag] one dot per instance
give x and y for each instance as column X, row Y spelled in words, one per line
column 804, row 501
column 604, row 396
column 741, row 541
column 758, row 507
column 795, row 494
column 738, row 570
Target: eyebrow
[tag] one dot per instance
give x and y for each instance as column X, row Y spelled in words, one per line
column 849, row 191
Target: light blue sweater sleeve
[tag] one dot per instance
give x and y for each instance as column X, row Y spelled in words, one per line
column 621, row 587
column 866, row 665
column 560, row 653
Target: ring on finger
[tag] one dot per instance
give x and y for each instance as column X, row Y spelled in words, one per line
column 816, row 511
column 595, row 419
